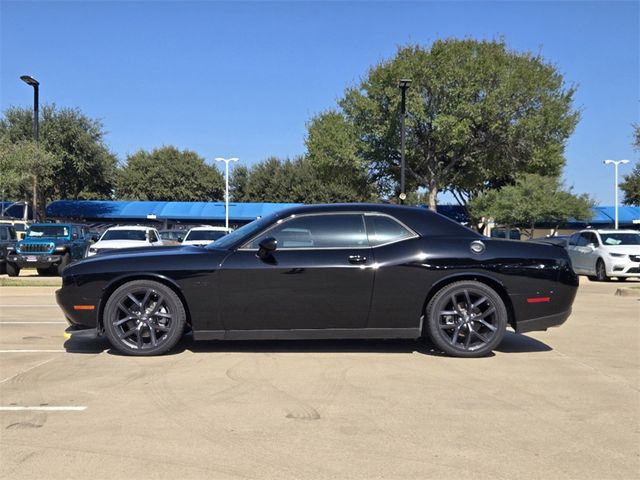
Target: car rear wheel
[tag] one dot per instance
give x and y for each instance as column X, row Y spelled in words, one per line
column 466, row 319
column 13, row 270
column 601, row 271
column 144, row 318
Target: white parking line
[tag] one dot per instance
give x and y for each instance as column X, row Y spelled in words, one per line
column 31, row 323
column 42, row 409
column 25, row 370
column 28, row 306
column 33, row 351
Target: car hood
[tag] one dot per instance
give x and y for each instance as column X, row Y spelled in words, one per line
column 624, row 249
column 119, row 244
column 54, row 240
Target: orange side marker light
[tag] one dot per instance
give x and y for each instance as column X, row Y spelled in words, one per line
column 84, row 307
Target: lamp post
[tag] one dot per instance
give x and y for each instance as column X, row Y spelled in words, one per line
column 226, row 187
column 36, row 135
column 615, row 167
column 403, row 84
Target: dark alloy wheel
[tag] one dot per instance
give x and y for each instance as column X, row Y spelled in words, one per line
column 601, row 271
column 144, row 318
column 466, row 319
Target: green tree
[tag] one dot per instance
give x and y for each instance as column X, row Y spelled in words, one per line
column 168, row 174
column 72, row 161
column 297, row 181
column 532, row 199
column 332, row 152
column 631, row 182
column 477, row 115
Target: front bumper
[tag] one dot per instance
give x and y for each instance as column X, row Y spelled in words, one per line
column 622, row 268
column 40, row 260
column 542, row 323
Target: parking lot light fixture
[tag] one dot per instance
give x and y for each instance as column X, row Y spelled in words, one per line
column 29, row 80
column 403, row 84
column 226, row 186
column 615, row 164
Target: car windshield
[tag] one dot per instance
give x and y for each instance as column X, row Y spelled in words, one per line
column 124, row 235
column 36, row 231
column 620, row 238
column 209, row 235
column 247, row 231
column 172, row 235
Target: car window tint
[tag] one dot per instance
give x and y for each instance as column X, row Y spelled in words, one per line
column 317, row 231
column 152, row 236
column 382, row 229
column 4, row 234
column 573, row 239
column 584, row 239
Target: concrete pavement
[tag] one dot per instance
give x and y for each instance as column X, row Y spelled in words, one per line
column 558, row 404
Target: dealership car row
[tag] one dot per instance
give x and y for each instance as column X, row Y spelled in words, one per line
column 51, row 247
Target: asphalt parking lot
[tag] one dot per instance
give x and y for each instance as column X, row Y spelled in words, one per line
column 558, row 404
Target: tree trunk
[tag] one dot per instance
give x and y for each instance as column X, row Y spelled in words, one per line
column 433, row 197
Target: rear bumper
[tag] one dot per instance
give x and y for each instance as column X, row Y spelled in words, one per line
column 542, row 323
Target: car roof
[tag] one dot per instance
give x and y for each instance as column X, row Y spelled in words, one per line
column 609, row 230
column 214, row 229
column 130, row 227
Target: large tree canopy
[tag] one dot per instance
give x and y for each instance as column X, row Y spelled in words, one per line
column 169, row 174
column 631, row 182
column 72, row 162
column 275, row 180
column 532, row 199
column 477, row 115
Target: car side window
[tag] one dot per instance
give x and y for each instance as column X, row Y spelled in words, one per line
column 382, row 229
column 317, row 231
column 4, row 233
column 573, row 239
column 153, row 238
column 594, row 239
column 585, row 239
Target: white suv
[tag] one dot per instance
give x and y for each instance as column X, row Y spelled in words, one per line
column 126, row 237
column 204, row 235
column 602, row 254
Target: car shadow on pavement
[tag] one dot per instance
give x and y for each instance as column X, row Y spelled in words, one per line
column 512, row 343
column 515, row 343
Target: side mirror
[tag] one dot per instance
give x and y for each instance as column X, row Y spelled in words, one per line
column 267, row 247
column 180, row 239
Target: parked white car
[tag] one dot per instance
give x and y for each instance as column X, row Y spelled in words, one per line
column 602, row 254
column 126, row 237
column 202, row 236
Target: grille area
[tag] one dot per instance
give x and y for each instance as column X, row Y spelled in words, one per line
column 36, row 248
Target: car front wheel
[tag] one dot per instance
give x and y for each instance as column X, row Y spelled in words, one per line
column 601, row 271
column 144, row 318
column 466, row 319
column 13, row 270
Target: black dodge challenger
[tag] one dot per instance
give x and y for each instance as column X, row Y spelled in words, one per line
column 324, row 272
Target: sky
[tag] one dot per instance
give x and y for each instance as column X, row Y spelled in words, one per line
column 243, row 78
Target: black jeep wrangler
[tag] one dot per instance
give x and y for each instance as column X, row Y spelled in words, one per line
column 7, row 243
column 49, row 247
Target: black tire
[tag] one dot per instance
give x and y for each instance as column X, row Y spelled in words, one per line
column 3, row 268
column 66, row 260
column 601, row 271
column 13, row 270
column 466, row 319
column 144, row 318
column 592, row 278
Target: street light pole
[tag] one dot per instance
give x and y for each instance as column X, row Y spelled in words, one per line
column 615, row 168
column 36, row 136
column 226, row 187
column 403, row 84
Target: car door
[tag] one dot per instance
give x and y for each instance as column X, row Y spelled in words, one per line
column 582, row 251
column 572, row 250
column 317, row 278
